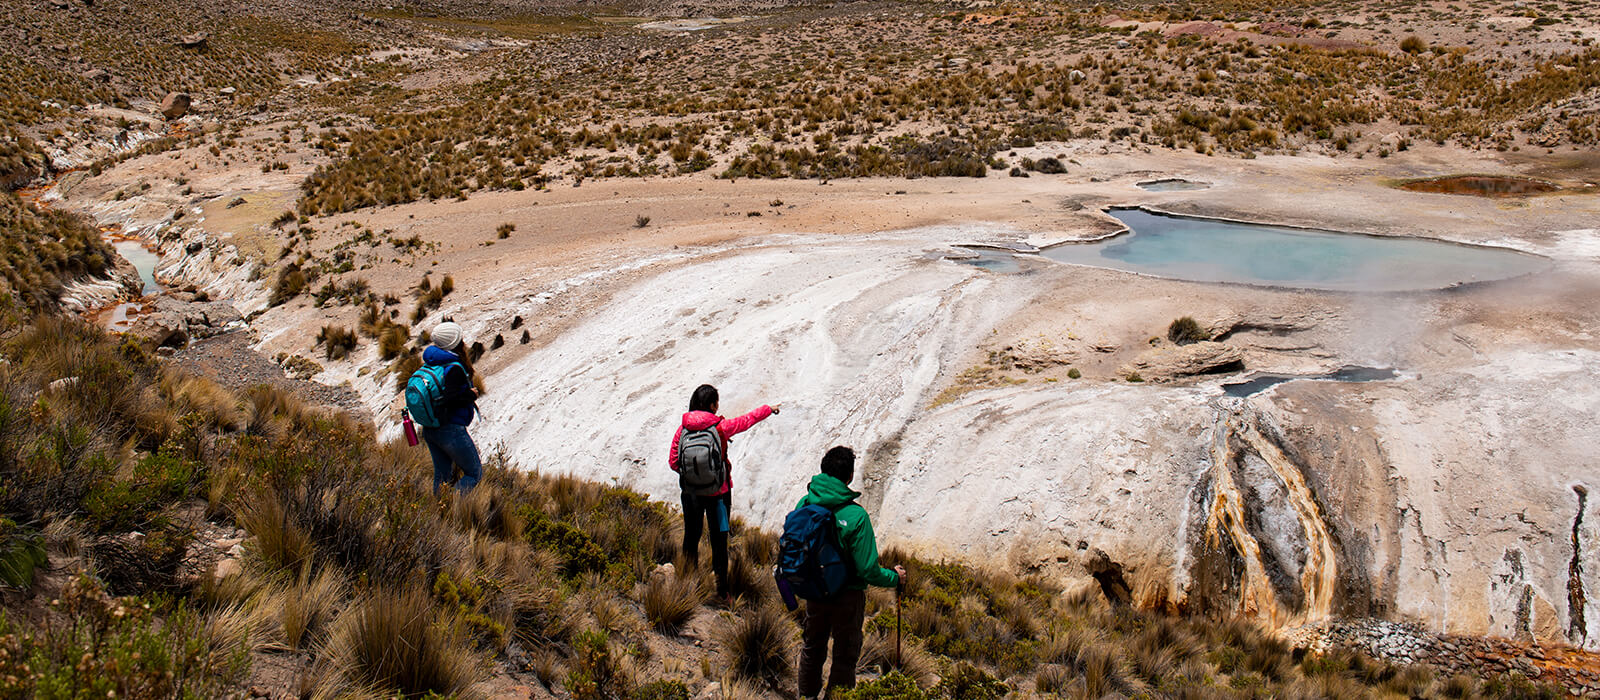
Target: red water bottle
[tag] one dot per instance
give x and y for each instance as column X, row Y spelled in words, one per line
column 411, row 428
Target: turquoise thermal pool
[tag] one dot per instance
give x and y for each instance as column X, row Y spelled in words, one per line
column 1210, row 250
column 143, row 260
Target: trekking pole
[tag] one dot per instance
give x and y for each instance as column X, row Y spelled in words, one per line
column 897, row 663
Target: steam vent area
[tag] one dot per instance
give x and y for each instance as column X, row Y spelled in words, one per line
column 1205, row 350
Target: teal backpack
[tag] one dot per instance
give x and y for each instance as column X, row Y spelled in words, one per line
column 425, row 393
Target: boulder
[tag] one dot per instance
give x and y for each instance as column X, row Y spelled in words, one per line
column 1206, row 357
column 193, row 41
column 162, row 329
column 174, row 321
column 98, row 76
column 1076, row 76
column 175, row 105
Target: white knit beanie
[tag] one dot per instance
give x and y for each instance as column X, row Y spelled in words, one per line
column 447, row 335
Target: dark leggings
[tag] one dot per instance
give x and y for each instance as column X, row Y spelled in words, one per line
column 838, row 619
column 697, row 510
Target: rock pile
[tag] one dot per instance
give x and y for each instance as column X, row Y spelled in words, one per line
column 178, row 318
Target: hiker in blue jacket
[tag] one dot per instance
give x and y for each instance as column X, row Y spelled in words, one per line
column 840, row 618
column 449, row 444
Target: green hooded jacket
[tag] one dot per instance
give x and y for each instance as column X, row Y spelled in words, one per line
column 855, row 531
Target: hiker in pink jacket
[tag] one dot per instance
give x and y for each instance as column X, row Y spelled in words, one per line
column 705, row 473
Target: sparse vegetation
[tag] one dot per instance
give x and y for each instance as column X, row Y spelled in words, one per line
column 44, row 249
column 1185, row 330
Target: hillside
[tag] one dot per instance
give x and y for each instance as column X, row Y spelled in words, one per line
column 169, row 538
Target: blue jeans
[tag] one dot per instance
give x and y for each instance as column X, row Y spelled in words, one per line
column 451, row 447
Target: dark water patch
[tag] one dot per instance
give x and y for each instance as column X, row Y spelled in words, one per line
column 1171, row 184
column 1481, row 186
column 1213, row 250
column 995, row 260
column 1349, row 373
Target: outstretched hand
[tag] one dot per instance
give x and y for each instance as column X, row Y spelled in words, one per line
column 775, row 408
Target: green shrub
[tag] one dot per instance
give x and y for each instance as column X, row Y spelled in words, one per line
column 578, row 551
column 968, row 682
column 894, row 686
column 115, row 649
column 158, row 480
column 593, row 675
column 661, row 690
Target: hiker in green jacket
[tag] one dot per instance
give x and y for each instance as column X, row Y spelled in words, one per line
column 840, row 617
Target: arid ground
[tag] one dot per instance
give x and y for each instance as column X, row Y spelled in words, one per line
column 621, row 204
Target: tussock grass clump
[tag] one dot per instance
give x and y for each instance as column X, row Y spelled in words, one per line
column 291, row 282
column 336, row 342
column 760, row 644
column 308, row 607
column 1185, row 330
column 395, row 640
column 277, row 540
column 671, row 601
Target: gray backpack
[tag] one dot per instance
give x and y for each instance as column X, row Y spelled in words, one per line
column 702, row 469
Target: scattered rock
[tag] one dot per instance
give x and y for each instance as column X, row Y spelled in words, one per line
column 236, row 201
column 96, row 75
column 712, row 690
column 225, row 568
column 1076, row 76
column 175, row 105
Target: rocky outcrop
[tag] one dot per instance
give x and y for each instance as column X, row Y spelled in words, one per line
column 1172, row 361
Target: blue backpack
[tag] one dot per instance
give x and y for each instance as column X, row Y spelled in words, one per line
column 425, row 394
column 810, row 559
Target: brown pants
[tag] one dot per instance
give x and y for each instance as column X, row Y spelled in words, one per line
column 839, row 619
